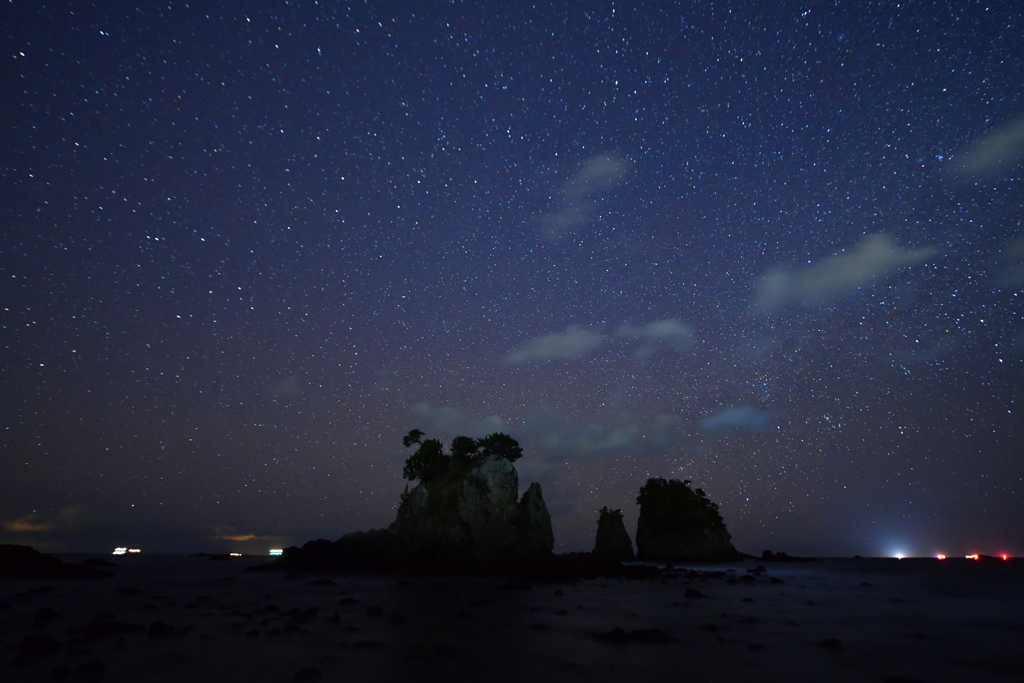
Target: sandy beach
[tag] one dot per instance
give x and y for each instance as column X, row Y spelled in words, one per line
column 174, row 618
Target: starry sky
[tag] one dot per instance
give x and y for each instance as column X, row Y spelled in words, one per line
column 771, row 247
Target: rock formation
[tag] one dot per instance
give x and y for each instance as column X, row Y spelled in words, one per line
column 679, row 523
column 464, row 514
column 612, row 542
column 472, row 513
column 25, row 562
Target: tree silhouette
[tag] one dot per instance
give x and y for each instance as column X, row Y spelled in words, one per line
column 430, row 460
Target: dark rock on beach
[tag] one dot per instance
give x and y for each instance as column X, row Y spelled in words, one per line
column 619, row 636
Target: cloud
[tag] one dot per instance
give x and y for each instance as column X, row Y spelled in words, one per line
column 925, row 354
column 1011, row 264
column 741, row 417
column 69, row 518
column 559, row 438
column 999, row 149
column 555, row 437
column 668, row 333
column 27, row 524
column 287, row 388
column 870, row 260
column 572, row 344
column 598, row 173
column 602, row 172
column 446, row 422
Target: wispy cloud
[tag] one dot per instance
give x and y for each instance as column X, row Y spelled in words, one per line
column 69, row 518
column 287, row 388
column 739, row 417
column 598, row 173
column 574, row 343
column 27, row 524
column 867, row 262
column 1011, row 263
column 661, row 334
column 232, row 533
column 997, row 150
column 555, row 437
column 446, row 422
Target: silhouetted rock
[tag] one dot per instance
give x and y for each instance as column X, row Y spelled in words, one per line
column 467, row 518
column 830, row 644
column 25, row 562
column 612, row 542
column 769, row 556
column 470, row 514
column 680, row 523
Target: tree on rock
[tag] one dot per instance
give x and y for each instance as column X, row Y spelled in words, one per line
column 430, row 460
column 500, row 444
column 680, row 523
column 465, row 509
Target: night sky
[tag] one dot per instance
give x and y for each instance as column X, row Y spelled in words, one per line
column 774, row 248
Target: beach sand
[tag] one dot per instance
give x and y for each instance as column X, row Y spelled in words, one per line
column 174, row 618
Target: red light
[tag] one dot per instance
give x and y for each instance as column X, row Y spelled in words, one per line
column 1005, row 556
column 941, row 557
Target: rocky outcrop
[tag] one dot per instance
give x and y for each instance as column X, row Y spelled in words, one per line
column 471, row 513
column 468, row 517
column 25, row 562
column 679, row 523
column 612, row 542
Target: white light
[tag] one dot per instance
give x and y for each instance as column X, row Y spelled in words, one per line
column 134, row 550
column 940, row 556
column 972, row 557
column 120, row 551
column 235, row 554
column 276, row 551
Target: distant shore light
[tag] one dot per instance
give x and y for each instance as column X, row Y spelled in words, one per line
column 1005, row 556
column 973, row 557
column 235, row 554
column 134, row 550
column 276, row 551
column 940, row 556
column 120, row 551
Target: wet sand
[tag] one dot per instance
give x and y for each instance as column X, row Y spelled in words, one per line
column 173, row 618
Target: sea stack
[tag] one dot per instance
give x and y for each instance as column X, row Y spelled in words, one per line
column 680, row 523
column 612, row 542
column 471, row 513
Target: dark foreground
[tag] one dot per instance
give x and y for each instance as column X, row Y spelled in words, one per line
column 169, row 618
